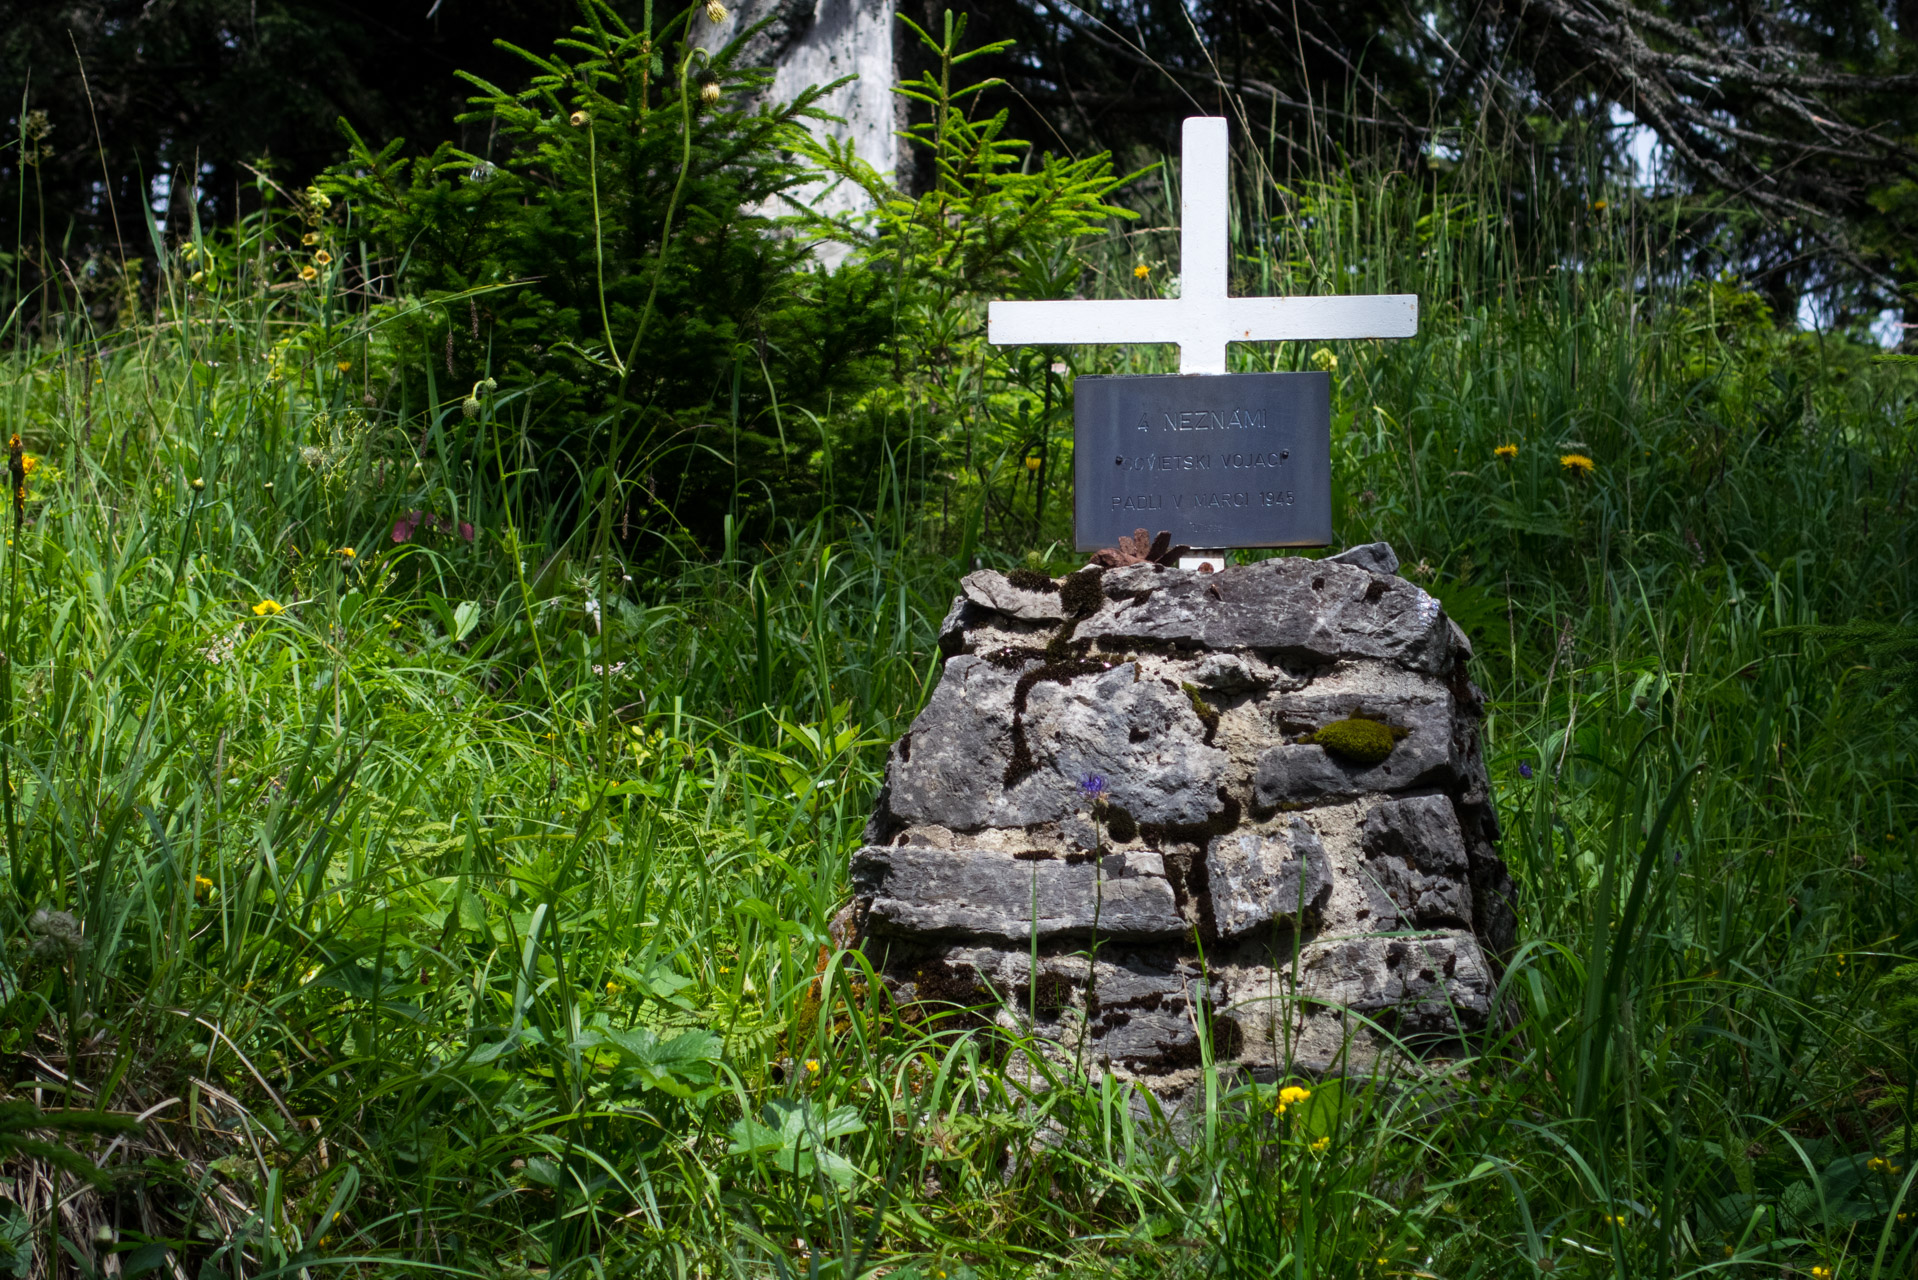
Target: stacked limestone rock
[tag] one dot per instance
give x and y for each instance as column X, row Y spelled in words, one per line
column 1259, row 792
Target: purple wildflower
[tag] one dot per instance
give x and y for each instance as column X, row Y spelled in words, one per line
column 1525, row 769
column 1093, row 785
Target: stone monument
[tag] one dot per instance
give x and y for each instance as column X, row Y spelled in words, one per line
column 1156, row 814
column 1147, row 805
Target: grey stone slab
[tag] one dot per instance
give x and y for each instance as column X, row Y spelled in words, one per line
column 1437, row 984
column 919, row 891
column 1422, row 756
column 1142, row 738
column 1230, row 673
column 947, row 770
column 1312, row 611
column 1277, row 874
column 1416, row 852
column 1300, row 774
column 993, row 590
column 1376, row 557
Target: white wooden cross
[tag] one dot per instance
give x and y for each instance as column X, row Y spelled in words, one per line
column 1202, row 319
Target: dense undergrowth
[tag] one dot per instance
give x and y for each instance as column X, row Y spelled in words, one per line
column 444, row 879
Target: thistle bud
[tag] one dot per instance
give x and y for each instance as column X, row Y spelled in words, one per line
column 470, row 406
column 709, row 92
column 715, row 12
column 579, row 118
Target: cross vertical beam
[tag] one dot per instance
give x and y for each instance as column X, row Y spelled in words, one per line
column 1204, row 236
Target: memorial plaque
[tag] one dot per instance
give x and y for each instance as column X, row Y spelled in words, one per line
column 1239, row 460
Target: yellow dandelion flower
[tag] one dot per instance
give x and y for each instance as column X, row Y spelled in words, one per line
column 1598, row 206
column 1506, row 451
column 1033, row 462
column 1577, row 463
column 268, row 609
column 347, row 553
column 309, row 273
column 812, row 1066
column 344, row 366
column 1141, row 271
column 1291, row 1095
column 323, row 258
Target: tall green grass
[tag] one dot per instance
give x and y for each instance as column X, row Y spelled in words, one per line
column 419, row 943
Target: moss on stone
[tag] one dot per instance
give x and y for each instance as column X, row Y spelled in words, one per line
column 1207, row 713
column 1079, row 594
column 1357, row 739
column 1031, row 580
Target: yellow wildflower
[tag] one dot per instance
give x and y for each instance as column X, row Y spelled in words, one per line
column 347, row 553
column 323, row 257
column 1325, row 360
column 195, row 278
column 613, row 988
column 310, row 239
column 267, row 609
column 1577, row 463
column 1141, row 271
column 578, row 118
column 715, row 12
column 202, row 886
column 344, row 366
column 1821, row 1273
column 1598, row 206
column 1318, row 1148
column 812, row 1065
column 1506, row 451
column 1033, row 462
column 1616, row 1219
column 1878, row 1164
column 1292, row 1094
column 309, row 273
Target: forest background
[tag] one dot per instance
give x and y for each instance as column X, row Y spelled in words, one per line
column 468, row 559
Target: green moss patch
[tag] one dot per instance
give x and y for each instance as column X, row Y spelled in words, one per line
column 1357, row 739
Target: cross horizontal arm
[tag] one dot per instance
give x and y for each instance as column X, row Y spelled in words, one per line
column 1041, row 324
column 1202, row 326
column 1322, row 317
